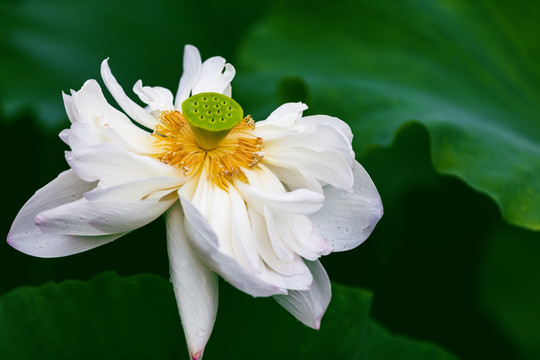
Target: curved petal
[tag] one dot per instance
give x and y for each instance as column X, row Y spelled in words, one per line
column 214, row 76
column 131, row 108
column 285, row 115
column 100, row 217
column 336, row 123
column 265, row 189
column 192, row 66
column 89, row 106
column 26, row 237
column 157, row 98
column 205, row 243
column 195, row 286
column 112, row 165
column 309, row 306
column 311, row 134
column 347, row 219
column 147, row 188
column 328, row 167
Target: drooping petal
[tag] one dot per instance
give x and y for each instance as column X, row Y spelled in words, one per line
column 192, row 66
column 195, row 285
column 309, row 306
column 112, row 165
column 100, row 217
column 347, row 219
column 131, row 108
column 157, row 98
column 140, row 189
column 265, row 248
column 242, row 235
column 26, row 237
column 206, row 245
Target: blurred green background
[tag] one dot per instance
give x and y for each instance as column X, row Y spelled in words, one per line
column 444, row 101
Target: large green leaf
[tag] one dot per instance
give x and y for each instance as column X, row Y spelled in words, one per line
column 111, row 317
column 509, row 288
column 466, row 70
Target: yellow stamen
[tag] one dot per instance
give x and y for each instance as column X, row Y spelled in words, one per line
column 241, row 149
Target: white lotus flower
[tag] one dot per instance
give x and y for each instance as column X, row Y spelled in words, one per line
column 256, row 202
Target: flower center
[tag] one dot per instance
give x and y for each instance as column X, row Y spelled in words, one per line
column 223, row 157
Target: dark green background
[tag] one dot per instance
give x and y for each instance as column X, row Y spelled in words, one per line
column 443, row 98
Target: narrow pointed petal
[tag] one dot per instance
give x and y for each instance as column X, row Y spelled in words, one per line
column 131, row 108
column 26, row 237
column 192, row 67
column 206, row 245
column 309, row 306
column 347, row 219
column 195, row 285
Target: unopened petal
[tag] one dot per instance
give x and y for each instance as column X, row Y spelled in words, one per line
column 26, row 237
column 347, row 219
column 195, row 285
column 309, row 306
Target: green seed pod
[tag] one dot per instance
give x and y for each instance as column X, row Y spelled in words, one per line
column 211, row 116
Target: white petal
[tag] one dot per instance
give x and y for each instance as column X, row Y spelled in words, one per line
column 112, row 165
column 328, row 167
column 192, row 66
column 82, row 135
column 131, row 108
column 215, row 76
column 338, row 124
column 91, row 218
column 157, row 98
column 137, row 190
column 295, row 232
column 285, row 115
column 347, row 219
column 205, row 243
column 309, row 306
column 264, row 246
column 242, row 236
column 195, row 286
column 68, row 104
column 264, row 189
column 25, row 236
column 307, row 133
column 89, row 106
